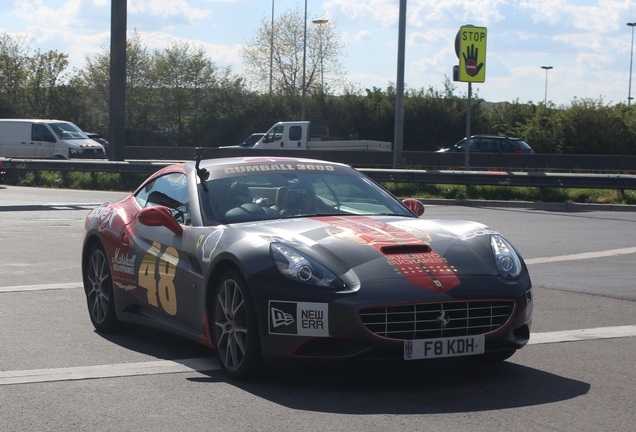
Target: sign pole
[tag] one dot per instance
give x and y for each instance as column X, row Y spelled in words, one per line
column 468, row 117
column 470, row 47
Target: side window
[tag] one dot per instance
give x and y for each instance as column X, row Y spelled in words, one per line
column 476, row 144
column 295, row 133
column 507, row 146
column 171, row 191
column 275, row 134
column 488, row 145
column 41, row 133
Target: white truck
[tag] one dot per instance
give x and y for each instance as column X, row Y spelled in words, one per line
column 305, row 135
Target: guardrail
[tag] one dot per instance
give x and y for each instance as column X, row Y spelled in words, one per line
column 614, row 164
column 497, row 178
column 488, row 178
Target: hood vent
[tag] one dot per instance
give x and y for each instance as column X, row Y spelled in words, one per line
column 405, row 249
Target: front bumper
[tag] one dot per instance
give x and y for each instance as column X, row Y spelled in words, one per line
column 374, row 322
column 88, row 153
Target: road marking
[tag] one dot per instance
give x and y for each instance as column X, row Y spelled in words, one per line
column 581, row 256
column 205, row 364
column 41, row 287
column 583, row 334
column 109, row 371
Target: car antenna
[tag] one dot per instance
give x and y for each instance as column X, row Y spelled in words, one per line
column 201, row 172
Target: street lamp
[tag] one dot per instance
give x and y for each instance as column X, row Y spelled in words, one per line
column 547, row 68
column 320, row 22
column 271, row 52
column 631, row 58
column 302, row 104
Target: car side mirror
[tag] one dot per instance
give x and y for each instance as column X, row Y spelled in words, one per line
column 414, row 205
column 160, row 216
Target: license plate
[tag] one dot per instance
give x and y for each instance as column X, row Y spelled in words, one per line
column 443, row 347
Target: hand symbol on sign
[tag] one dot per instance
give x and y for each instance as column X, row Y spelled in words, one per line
column 470, row 60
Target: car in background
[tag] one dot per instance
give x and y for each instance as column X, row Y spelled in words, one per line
column 281, row 259
column 491, row 144
column 38, row 138
column 248, row 143
column 251, row 140
column 98, row 138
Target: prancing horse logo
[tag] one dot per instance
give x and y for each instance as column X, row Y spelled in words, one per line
column 443, row 320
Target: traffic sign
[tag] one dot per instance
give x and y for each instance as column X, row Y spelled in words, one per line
column 471, row 49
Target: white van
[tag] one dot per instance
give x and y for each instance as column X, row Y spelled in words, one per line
column 20, row 138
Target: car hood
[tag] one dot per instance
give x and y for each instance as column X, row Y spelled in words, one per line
column 424, row 251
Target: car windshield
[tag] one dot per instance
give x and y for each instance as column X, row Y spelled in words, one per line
column 283, row 195
column 67, row 131
column 524, row 145
column 251, row 140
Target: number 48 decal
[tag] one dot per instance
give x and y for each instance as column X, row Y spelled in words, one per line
column 156, row 274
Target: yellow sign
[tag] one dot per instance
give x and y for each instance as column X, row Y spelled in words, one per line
column 472, row 54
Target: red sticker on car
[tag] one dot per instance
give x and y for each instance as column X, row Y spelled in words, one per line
column 420, row 264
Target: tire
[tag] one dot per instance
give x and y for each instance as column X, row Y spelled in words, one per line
column 492, row 357
column 234, row 329
column 98, row 286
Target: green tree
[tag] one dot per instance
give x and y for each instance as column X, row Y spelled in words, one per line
column 591, row 127
column 14, row 61
column 436, row 118
column 140, row 92
column 141, row 99
column 185, row 78
column 541, row 128
column 284, row 46
column 44, row 73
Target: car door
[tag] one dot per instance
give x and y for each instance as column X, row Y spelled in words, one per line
column 274, row 137
column 476, row 145
column 490, row 145
column 42, row 141
column 164, row 258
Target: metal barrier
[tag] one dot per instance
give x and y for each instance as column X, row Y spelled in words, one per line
column 497, row 178
column 491, row 178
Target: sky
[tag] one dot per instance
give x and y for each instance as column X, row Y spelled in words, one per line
column 587, row 42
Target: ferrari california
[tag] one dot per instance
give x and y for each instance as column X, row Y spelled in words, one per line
column 274, row 259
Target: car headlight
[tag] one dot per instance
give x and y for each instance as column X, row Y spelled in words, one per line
column 300, row 268
column 508, row 262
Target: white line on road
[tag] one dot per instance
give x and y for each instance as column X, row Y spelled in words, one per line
column 41, row 287
column 581, row 256
column 211, row 364
column 108, row 371
column 583, row 334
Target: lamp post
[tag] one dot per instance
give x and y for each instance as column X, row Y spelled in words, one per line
column 271, row 52
column 304, row 91
column 545, row 98
column 631, row 58
column 320, row 22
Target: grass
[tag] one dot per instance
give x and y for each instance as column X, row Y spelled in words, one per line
column 76, row 180
column 511, row 193
column 128, row 182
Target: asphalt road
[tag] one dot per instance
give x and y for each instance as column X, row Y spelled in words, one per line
column 577, row 374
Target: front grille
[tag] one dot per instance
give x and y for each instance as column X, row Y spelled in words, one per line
column 435, row 320
column 92, row 151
